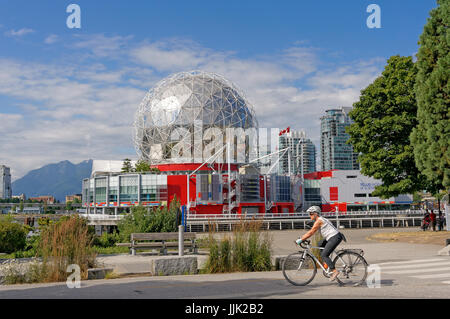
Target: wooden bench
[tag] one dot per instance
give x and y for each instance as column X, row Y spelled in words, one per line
column 162, row 241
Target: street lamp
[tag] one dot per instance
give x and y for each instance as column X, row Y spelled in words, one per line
column 337, row 217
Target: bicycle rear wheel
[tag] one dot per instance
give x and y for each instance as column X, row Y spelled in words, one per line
column 299, row 270
column 353, row 268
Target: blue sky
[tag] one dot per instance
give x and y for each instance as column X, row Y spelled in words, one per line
column 72, row 93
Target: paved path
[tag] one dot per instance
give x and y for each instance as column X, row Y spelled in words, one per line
column 432, row 270
column 242, row 285
column 407, row 271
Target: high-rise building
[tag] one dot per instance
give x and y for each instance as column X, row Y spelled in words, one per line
column 302, row 153
column 335, row 152
column 5, row 182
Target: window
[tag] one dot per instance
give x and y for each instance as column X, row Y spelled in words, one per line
column 351, row 176
column 333, row 193
column 128, row 189
column 360, row 195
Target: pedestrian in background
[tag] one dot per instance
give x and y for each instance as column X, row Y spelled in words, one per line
column 426, row 221
column 433, row 220
column 440, row 221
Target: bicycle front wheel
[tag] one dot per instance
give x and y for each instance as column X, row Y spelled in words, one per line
column 299, row 269
column 353, row 268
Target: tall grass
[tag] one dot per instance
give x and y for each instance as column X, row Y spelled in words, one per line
column 248, row 249
column 61, row 244
column 64, row 243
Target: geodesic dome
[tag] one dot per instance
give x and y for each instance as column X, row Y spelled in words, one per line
column 180, row 108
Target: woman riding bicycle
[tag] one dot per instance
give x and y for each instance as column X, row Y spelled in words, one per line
column 332, row 237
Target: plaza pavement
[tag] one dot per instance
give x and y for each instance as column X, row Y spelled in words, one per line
column 408, row 271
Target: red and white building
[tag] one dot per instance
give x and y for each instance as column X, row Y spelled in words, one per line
column 208, row 192
column 348, row 190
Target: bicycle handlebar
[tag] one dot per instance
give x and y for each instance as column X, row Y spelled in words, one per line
column 304, row 244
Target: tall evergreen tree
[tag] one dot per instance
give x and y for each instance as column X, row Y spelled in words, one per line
column 431, row 137
column 383, row 120
column 142, row 166
column 126, row 166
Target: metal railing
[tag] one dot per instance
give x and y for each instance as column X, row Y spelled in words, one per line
column 281, row 224
column 361, row 219
column 379, row 213
column 101, row 217
column 226, row 222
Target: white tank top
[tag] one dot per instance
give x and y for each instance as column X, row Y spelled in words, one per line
column 327, row 229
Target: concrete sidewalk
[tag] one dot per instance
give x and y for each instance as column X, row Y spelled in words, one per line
column 282, row 245
column 155, row 267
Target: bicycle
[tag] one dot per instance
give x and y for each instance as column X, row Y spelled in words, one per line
column 300, row 268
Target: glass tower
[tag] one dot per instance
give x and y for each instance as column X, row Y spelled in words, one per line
column 335, row 152
column 5, row 182
column 302, row 150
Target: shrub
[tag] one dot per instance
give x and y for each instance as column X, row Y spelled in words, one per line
column 63, row 243
column 31, row 248
column 141, row 220
column 19, row 273
column 212, row 264
column 12, row 236
column 111, row 250
column 106, row 240
column 248, row 250
column 225, row 255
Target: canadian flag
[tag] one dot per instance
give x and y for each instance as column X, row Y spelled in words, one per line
column 285, row 131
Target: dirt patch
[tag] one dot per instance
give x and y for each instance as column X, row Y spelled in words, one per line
column 417, row 237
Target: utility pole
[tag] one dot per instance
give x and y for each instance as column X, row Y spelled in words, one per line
column 303, row 179
column 229, row 176
column 337, row 217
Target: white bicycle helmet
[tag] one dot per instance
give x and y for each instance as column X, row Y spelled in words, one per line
column 314, row 209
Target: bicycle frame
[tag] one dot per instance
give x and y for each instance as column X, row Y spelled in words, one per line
column 308, row 251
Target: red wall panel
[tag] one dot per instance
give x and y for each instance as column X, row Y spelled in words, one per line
column 334, row 194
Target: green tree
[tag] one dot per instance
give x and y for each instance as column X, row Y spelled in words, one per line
column 383, row 119
column 21, row 206
column 144, row 220
column 142, row 166
column 12, row 236
column 431, row 137
column 127, row 167
column 69, row 205
column 155, row 170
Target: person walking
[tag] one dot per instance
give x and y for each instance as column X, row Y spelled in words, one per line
column 440, row 221
column 433, row 220
column 426, row 221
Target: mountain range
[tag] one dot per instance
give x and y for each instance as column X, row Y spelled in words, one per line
column 59, row 179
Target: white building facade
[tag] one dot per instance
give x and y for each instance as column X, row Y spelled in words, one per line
column 349, row 190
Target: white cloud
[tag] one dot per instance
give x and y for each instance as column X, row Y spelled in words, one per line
column 10, row 123
column 19, row 33
column 86, row 109
column 101, row 45
column 174, row 55
column 52, row 38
